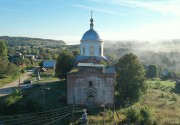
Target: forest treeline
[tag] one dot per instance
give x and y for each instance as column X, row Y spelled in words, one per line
column 27, row 41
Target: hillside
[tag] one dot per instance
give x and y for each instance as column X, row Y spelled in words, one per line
column 27, row 41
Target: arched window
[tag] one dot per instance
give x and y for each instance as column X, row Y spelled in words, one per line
column 83, row 50
column 99, row 50
column 90, row 83
column 91, row 51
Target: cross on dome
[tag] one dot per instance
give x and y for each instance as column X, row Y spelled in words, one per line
column 91, row 20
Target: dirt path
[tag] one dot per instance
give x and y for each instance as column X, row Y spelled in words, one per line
column 9, row 88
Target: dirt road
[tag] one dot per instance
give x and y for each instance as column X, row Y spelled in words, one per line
column 9, row 88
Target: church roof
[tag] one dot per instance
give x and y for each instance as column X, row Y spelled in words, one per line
column 90, row 65
column 91, row 35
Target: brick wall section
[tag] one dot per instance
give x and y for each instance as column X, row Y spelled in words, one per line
column 102, row 89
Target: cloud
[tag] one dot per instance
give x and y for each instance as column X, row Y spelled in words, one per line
column 160, row 6
column 99, row 9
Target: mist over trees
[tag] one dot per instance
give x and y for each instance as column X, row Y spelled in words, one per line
column 165, row 54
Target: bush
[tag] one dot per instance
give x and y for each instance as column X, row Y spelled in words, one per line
column 10, row 105
column 138, row 117
column 22, row 70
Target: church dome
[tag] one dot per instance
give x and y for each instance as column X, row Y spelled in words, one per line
column 91, row 35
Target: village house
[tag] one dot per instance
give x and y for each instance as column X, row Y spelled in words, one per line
column 50, row 64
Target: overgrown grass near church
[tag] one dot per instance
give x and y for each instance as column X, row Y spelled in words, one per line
column 160, row 105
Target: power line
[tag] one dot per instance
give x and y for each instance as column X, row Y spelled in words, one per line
column 57, row 119
column 36, row 112
column 39, row 119
column 32, row 116
column 26, row 119
column 36, row 121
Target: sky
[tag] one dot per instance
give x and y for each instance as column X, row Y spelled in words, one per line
column 68, row 20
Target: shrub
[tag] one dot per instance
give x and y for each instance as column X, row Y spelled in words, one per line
column 22, row 70
column 138, row 117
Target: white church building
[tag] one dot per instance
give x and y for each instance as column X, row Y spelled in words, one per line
column 92, row 83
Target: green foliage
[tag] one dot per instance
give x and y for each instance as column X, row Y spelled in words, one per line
column 27, row 41
column 3, row 49
column 7, row 68
column 130, row 77
column 145, row 116
column 23, row 70
column 152, row 71
column 142, row 116
column 174, row 98
column 103, row 62
column 12, row 69
column 65, row 63
column 9, row 104
column 13, row 98
column 166, row 77
column 3, row 66
column 132, row 116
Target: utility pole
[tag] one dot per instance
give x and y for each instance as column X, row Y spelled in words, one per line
column 103, row 105
column 73, row 116
column 104, row 115
column 44, row 102
column 19, row 82
column 113, row 106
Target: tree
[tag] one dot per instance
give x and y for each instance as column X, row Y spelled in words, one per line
column 152, row 71
column 130, row 78
column 3, row 66
column 7, row 68
column 3, row 49
column 12, row 69
column 64, row 64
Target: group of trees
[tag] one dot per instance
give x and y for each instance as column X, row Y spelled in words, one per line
column 6, row 67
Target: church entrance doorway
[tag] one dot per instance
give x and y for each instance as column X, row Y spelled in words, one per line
column 90, row 100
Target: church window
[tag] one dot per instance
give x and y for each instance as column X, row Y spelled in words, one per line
column 83, row 50
column 90, row 83
column 100, row 50
column 91, row 50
